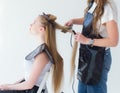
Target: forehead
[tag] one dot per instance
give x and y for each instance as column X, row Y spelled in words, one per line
column 38, row 18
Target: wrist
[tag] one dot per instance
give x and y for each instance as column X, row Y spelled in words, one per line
column 91, row 42
column 72, row 21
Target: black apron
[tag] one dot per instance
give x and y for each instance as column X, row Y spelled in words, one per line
column 91, row 58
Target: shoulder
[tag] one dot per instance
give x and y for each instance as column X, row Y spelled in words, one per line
column 111, row 7
column 110, row 12
column 41, row 51
column 42, row 57
column 34, row 53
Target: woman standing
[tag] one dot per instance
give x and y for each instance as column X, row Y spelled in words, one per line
column 100, row 21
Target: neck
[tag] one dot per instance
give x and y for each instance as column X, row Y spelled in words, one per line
column 41, row 40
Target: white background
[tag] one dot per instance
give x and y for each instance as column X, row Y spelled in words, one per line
column 16, row 41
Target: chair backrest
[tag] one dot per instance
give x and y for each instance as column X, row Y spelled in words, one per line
column 43, row 82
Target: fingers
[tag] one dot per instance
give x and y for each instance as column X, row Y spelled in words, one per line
column 77, row 36
column 81, row 38
column 69, row 23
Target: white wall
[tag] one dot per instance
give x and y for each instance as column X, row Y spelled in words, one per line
column 16, row 41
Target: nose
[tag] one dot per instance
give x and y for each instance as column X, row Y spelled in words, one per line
column 30, row 25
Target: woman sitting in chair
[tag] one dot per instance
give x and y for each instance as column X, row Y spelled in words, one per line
column 41, row 59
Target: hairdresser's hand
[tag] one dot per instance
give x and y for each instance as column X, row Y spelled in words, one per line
column 69, row 23
column 81, row 38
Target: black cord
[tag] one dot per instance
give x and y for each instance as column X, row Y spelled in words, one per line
column 71, row 41
column 71, row 38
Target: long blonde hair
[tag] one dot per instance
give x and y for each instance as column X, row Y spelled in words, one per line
column 98, row 13
column 48, row 21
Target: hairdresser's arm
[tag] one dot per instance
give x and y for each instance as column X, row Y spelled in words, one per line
column 110, row 41
column 40, row 61
column 113, row 36
column 76, row 21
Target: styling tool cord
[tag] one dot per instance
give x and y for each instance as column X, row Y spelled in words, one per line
column 71, row 41
column 71, row 38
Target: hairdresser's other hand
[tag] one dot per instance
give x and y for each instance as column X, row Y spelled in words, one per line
column 81, row 38
column 69, row 23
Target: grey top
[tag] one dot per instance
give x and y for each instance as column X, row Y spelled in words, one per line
column 30, row 59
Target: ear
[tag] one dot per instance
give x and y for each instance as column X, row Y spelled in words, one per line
column 42, row 28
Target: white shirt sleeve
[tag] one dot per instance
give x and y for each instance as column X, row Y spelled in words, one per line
column 110, row 13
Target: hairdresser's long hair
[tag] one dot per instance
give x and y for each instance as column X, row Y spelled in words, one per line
column 48, row 21
column 97, row 13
